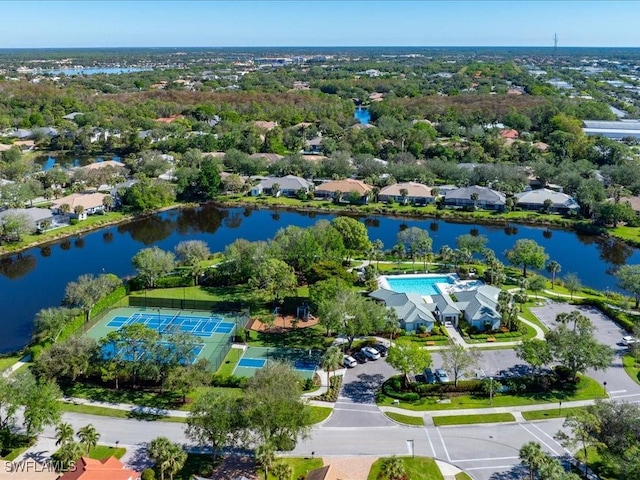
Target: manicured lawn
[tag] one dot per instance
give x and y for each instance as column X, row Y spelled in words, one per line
column 600, row 466
column 631, row 367
column 301, row 466
column 463, row 476
column 405, row 419
column 470, row 419
column 305, row 338
column 551, row 413
column 114, row 412
column 143, row 398
column 417, row 468
column 230, row 362
column 587, row 389
column 319, row 414
column 102, row 452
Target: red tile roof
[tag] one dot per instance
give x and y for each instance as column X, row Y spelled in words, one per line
column 109, row 469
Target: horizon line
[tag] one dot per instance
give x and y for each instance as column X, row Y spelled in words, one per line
column 311, row 46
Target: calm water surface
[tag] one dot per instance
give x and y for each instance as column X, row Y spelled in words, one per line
column 37, row 277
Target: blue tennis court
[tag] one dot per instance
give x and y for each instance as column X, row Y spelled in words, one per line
column 109, row 351
column 252, row 362
column 198, row 326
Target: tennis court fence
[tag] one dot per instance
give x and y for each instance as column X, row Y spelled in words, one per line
column 173, row 303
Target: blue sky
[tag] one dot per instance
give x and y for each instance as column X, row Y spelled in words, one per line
column 96, row 23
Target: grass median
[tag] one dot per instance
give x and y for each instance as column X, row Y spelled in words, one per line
column 471, row 419
column 587, row 389
column 551, row 413
column 417, row 468
column 405, row 419
column 114, row 412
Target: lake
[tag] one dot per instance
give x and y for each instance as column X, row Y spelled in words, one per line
column 36, row 278
column 47, row 162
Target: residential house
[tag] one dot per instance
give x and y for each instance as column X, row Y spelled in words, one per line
column 72, row 115
column 264, row 125
column 328, row 472
column 90, row 202
column 39, row 218
column 343, row 188
column 287, row 186
column 535, row 200
column 269, row 157
column 634, row 203
column 416, row 193
column 509, row 134
column 313, row 146
column 169, row 119
column 90, row 469
column 410, row 308
column 487, row 198
column 480, row 307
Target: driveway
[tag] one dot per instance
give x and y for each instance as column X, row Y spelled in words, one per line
column 618, row 384
column 356, row 405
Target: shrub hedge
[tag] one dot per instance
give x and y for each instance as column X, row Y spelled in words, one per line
column 331, row 395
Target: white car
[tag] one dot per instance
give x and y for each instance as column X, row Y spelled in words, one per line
column 629, row 340
column 349, row 362
column 371, row 353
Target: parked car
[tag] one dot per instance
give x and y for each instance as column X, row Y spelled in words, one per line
column 429, row 377
column 349, row 362
column 441, row 375
column 629, row 340
column 360, row 357
column 382, row 349
column 371, row 353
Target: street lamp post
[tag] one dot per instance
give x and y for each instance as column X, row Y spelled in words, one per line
column 605, row 389
column 490, row 390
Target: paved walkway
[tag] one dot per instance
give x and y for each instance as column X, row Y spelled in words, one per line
column 563, row 295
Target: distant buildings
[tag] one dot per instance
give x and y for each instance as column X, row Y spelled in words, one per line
column 614, row 130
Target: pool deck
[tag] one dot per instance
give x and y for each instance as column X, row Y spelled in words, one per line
column 457, row 285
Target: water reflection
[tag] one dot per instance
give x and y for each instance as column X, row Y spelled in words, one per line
column 233, row 221
column 613, row 251
column 205, row 219
column 372, row 222
column 45, row 251
column 17, row 266
column 148, row 230
column 107, row 237
column 434, row 226
column 65, row 244
column 79, row 242
column 547, row 234
column 275, row 216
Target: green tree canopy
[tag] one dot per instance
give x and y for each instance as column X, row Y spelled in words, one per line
column 152, row 263
column 528, row 254
column 355, row 237
column 628, row 277
column 408, row 357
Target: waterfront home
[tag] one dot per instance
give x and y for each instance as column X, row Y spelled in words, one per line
column 288, row 186
column 416, row 193
column 89, row 203
column 410, row 308
column 344, row 191
column 486, row 198
column 39, row 218
column 535, row 200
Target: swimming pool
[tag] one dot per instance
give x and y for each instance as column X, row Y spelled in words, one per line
column 420, row 284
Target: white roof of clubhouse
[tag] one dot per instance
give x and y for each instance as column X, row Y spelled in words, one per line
column 538, row 197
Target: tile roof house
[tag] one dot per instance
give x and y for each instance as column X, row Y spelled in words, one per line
column 264, row 125
column 509, row 133
column 288, row 186
column 534, row 200
column 328, row 472
column 91, row 202
column 269, row 157
column 109, row 469
column 410, row 308
column 488, row 199
column 344, row 187
column 480, row 307
column 417, row 193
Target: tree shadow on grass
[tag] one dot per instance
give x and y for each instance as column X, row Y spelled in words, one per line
column 363, row 390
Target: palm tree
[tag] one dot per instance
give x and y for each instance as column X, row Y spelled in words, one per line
column 275, row 189
column 70, row 452
column 107, row 202
column 331, row 361
column 474, row 198
column 532, row 456
column 504, row 307
column 446, row 254
column 377, row 248
column 64, row 434
column 265, row 456
column 88, row 436
column 175, row 461
column 65, row 208
column 553, row 268
column 393, row 468
column 403, row 193
column 159, row 450
column 78, row 210
column 282, row 471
